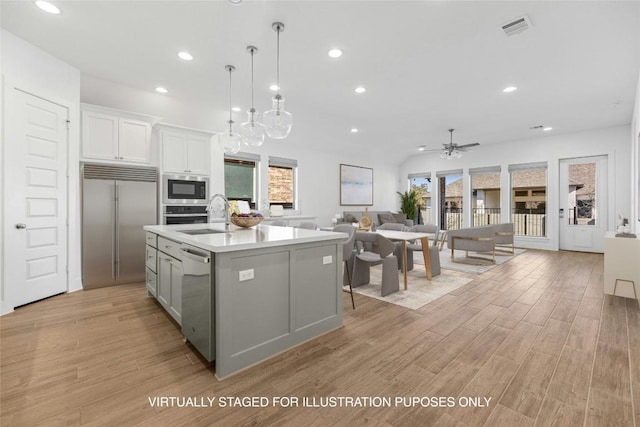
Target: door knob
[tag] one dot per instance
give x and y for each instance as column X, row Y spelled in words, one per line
column 21, row 226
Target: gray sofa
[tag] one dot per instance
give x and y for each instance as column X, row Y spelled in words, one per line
column 483, row 239
column 378, row 217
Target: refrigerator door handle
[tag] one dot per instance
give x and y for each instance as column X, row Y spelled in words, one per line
column 117, row 232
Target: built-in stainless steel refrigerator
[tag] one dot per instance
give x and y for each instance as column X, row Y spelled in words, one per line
column 116, row 202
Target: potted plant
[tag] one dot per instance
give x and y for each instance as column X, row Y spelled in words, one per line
column 409, row 203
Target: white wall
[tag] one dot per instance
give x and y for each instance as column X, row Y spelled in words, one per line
column 318, row 170
column 613, row 142
column 32, row 70
column 634, row 219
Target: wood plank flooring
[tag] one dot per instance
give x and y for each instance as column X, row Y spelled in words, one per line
column 536, row 335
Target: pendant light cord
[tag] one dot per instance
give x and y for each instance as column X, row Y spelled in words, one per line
column 278, row 60
column 230, row 117
column 252, row 108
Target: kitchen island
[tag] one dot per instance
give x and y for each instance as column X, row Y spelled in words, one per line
column 245, row 294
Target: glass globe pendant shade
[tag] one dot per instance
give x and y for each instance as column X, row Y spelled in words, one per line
column 277, row 121
column 252, row 130
column 230, row 141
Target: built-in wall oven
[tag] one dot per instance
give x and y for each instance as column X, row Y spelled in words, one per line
column 185, row 214
column 185, row 189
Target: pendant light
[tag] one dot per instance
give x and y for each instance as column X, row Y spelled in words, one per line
column 252, row 130
column 230, row 140
column 277, row 121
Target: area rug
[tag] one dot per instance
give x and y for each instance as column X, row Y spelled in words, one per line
column 477, row 268
column 420, row 290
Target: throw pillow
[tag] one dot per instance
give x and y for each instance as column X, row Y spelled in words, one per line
column 386, row 217
column 350, row 218
column 400, row 217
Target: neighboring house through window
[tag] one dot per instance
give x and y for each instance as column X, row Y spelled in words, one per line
column 485, row 194
column 529, row 199
column 282, row 182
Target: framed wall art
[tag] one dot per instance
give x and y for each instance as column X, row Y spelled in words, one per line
column 356, row 186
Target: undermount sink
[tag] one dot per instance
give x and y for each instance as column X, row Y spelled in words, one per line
column 203, row 231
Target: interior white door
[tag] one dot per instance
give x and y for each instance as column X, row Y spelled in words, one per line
column 35, row 245
column 583, row 203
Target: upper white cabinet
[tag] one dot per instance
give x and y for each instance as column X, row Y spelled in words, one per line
column 185, row 151
column 114, row 135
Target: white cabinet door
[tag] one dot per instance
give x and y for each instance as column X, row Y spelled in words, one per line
column 176, row 291
column 198, row 155
column 99, row 136
column 133, row 140
column 174, row 153
column 164, row 280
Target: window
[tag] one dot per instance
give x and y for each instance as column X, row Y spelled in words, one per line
column 240, row 177
column 529, row 199
column 450, row 196
column 421, row 184
column 485, row 200
column 282, row 182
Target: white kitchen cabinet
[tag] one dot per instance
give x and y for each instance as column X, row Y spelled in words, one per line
column 185, row 151
column 114, row 135
column 170, row 285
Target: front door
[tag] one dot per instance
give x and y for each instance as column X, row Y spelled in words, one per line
column 35, row 185
column 583, row 203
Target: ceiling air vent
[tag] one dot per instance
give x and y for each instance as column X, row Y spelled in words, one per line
column 516, row 26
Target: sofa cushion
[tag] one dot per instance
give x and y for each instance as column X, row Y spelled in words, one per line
column 400, row 217
column 386, row 217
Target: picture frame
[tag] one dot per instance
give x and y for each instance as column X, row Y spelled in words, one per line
column 356, row 185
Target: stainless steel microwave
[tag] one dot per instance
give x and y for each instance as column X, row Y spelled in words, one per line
column 185, row 189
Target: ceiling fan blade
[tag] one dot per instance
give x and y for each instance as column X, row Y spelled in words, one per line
column 431, row 150
column 475, row 144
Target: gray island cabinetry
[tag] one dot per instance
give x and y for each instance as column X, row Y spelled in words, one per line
column 247, row 294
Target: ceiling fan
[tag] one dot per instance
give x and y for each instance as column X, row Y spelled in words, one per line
column 452, row 150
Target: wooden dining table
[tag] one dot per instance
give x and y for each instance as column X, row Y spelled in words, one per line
column 404, row 237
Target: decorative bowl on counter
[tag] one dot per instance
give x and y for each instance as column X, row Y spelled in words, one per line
column 246, row 221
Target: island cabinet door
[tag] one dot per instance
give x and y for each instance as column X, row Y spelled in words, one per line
column 316, row 297
column 164, row 280
column 176, row 290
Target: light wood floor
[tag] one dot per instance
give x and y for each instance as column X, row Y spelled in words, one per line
column 536, row 335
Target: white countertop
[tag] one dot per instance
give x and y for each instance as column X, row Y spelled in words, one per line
column 237, row 238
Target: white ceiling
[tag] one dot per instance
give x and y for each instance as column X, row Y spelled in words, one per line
column 427, row 66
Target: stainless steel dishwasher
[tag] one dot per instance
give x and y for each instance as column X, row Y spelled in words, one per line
column 198, row 300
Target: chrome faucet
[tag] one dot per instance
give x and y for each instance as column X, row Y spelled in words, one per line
column 226, row 209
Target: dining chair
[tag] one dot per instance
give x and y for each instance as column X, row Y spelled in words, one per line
column 348, row 246
column 398, row 245
column 434, row 253
column 384, row 255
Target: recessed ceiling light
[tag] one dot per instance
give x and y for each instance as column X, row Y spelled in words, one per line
column 335, row 53
column 274, row 87
column 509, row 89
column 185, row 55
column 237, row 109
column 422, row 148
column 360, row 89
column 354, row 130
column 235, row 2
column 160, row 89
column 548, row 128
column 47, row 7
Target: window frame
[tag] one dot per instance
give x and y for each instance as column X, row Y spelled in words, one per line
column 283, row 163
